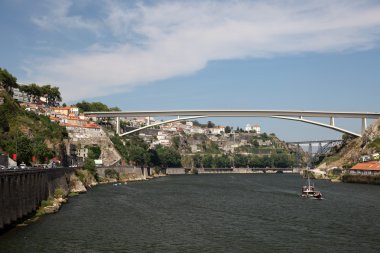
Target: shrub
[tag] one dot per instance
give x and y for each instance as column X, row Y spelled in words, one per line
column 59, row 192
column 111, row 173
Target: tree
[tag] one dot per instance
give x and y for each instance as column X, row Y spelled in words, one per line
column 176, row 142
column 227, row 129
column 89, row 164
column 93, row 152
column 222, row 161
column 7, row 80
column 197, row 161
column 207, row 161
column 210, row 124
column 255, row 143
column 187, row 161
column 169, row 157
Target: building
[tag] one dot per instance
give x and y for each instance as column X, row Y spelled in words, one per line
column 67, row 111
column 256, row 128
column 368, row 168
column 216, row 130
column 19, row 95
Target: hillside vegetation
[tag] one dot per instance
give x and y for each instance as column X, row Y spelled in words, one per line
column 350, row 153
column 27, row 133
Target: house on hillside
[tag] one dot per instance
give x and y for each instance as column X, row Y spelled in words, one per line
column 368, row 168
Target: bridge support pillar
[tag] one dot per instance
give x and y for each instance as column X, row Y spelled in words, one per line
column 332, row 121
column 117, row 125
column 364, row 124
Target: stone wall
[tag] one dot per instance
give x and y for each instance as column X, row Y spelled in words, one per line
column 175, row 171
column 21, row 192
column 83, row 136
column 133, row 172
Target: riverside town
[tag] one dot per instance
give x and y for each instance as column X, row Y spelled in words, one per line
column 199, row 126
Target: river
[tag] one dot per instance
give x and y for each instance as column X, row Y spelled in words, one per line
column 209, row 213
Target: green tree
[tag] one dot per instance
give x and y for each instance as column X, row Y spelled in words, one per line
column 89, row 164
column 93, row 152
column 210, row 124
column 207, row 161
column 227, row 129
column 7, row 80
column 197, row 161
column 169, row 157
column 176, row 142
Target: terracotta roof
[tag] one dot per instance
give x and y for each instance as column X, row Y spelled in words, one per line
column 367, row 166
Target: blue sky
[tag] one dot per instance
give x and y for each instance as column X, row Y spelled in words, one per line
column 150, row 55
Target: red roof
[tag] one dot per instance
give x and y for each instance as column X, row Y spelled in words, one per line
column 367, row 166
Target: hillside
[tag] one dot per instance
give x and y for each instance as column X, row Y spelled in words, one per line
column 350, row 153
column 27, row 133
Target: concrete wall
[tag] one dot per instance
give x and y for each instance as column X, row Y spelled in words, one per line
column 175, row 171
column 21, row 192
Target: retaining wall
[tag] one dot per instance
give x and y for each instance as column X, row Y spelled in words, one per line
column 21, row 192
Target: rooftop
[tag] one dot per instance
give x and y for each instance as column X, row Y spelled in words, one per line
column 367, row 166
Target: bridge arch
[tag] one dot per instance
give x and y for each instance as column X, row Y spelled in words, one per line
column 279, row 114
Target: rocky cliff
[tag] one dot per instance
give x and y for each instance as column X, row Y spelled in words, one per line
column 350, row 153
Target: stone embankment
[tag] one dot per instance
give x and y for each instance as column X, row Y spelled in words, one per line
column 21, row 192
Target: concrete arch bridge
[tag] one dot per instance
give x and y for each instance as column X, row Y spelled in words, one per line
column 294, row 115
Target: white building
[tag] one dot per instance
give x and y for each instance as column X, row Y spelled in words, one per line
column 197, row 130
column 255, row 128
column 216, row 130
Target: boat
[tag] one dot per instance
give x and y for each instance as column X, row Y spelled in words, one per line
column 308, row 191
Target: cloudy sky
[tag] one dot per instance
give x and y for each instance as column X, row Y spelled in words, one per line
column 149, row 55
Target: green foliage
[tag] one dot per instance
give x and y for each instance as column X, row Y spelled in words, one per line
column 59, row 192
column 7, row 80
column 27, row 133
column 222, row 161
column 52, row 93
column 44, row 203
column 89, row 164
column 168, row 157
column 111, row 173
column 210, row 124
column 94, row 107
column 208, row 161
column 72, row 194
column 375, row 144
column 176, row 142
column 227, row 129
column 93, row 152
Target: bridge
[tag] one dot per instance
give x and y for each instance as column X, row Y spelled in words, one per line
column 324, row 147
column 293, row 115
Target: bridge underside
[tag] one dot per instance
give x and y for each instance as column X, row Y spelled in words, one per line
column 278, row 114
column 333, row 127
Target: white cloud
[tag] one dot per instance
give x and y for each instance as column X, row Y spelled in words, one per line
column 58, row 17
column 167, row 39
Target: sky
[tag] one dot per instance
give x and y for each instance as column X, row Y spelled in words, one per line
column 152, row 55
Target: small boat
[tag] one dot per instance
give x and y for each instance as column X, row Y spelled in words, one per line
column 308, row 191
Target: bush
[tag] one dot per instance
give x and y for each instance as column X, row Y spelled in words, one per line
column 111, row 173
column 59, row 192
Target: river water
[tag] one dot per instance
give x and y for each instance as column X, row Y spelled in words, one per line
column 209, row 213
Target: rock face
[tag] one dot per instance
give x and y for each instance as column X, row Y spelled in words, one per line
column 355, row 148
column 76, row 186
column 83, row 137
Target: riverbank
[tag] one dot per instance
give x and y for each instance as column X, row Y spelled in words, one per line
column 339, row 176
column 361, row 179
column 60, row 190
